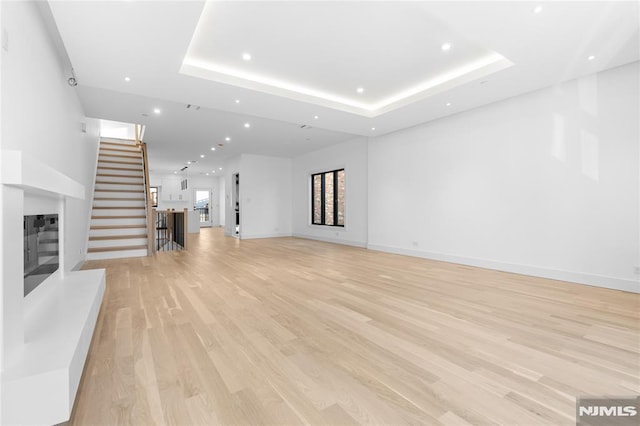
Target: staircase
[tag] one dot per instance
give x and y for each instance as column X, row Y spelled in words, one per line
column 118, row 220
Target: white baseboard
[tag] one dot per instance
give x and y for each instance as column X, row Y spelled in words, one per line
column 574, row 277
column 361, row 244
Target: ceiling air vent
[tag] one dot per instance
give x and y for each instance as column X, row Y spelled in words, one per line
column 192, row 106
column 305, row 126
column 184, row 168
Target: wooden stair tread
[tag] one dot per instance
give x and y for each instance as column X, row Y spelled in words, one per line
column 120, row 176
column 102, row 154
column 137, row 191
column 117, row 237
column 117, row 248
column 117, row 162
column 110, row 141
column 118, row 207
column 108, row 182
column 116, row 199
column 135, row 150
column 124, row 169
column 100, row 227
column 119, row 217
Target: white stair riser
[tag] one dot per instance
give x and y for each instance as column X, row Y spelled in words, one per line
column 101, row 194
column 128, row 160
column 130, row 172
column 120, row 231
column 118, row 212
column 119, row 141
column 122, row 166
column 120, row 154
column 119, row 222
column 120, row 187
column 118, row 203
column 116, row 254
column 133, row 179
column 132, row 148
column 118, row 243
column 120, row 181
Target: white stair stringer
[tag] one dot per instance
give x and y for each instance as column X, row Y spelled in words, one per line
column 118, row 218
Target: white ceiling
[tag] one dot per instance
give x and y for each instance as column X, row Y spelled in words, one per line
column 322, row 54
column 308, row 58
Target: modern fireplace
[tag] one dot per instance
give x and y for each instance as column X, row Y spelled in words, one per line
column 41, row 249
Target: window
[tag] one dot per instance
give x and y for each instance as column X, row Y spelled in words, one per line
column 327, row 198
column 153, row 190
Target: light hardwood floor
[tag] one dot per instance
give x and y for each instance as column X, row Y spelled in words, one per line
column 291, row 331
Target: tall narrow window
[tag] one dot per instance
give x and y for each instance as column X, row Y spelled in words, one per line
column 327, row 198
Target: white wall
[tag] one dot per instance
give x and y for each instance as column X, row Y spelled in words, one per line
column 544, row 184
column 42, row 115
column 265, row 196
column 352, row 156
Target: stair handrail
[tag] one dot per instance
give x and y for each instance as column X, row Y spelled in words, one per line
column 147, row 192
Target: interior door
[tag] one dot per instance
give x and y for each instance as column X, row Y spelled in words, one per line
column 202, row 204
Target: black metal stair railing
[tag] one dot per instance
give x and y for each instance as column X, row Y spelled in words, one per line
column 170, row 229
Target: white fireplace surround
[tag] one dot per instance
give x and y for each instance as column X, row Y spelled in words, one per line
column 45, row 336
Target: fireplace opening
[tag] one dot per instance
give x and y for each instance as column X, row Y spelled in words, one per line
column 41, row 256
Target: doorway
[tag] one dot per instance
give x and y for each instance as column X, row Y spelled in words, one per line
column 202, row 204
column 235, row 194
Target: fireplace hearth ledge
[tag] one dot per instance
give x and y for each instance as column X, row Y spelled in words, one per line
column 41, row 389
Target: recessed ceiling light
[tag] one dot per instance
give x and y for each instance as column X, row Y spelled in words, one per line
column 537, row 9
column 227, row 139
column 315, row 117
column 247, row 125
column 448, row 103
column 188, row 162
column 373, row 128
column 445, row 47
column 175, row 172
column 207, row 174
column 591, row 58
column 237, row 101
column 157, row 110
column 213, row 148
column 201, row 155
column 246, row 56
column 220, row 168
column 360, row 90
column 127, row 79
column 213, row 171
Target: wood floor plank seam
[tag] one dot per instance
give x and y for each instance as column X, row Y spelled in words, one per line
column 290, row 331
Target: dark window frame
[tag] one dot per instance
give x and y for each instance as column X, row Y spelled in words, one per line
column 323, row 220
